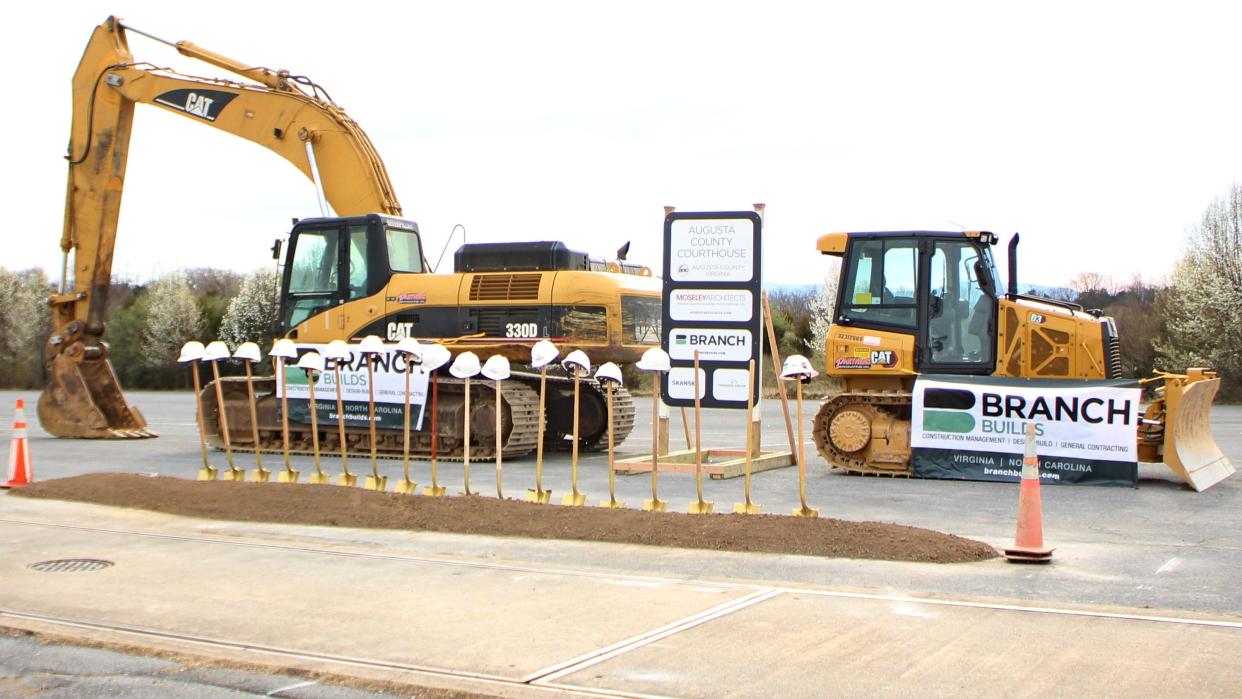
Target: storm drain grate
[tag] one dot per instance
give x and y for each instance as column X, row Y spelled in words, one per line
column 70, row 565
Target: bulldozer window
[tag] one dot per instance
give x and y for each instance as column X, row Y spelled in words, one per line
column 960, row 307
column 880, row 283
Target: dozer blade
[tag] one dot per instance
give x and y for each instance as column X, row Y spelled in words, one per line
column 84, row 400
column 1189, row 448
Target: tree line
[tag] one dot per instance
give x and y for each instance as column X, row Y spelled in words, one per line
column 146, row 323
column 1194, row 318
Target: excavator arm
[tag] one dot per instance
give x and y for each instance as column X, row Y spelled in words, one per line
column 286, row 114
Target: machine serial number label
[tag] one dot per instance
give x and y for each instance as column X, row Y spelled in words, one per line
column 521, row 330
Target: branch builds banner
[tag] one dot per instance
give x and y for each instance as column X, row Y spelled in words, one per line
column 389, row 391
column 971, row 428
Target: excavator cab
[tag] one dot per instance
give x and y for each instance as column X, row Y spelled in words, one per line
column 939, row 288
column 332, row 261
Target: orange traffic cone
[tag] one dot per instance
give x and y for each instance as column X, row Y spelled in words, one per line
column 20, row 471
column 1028, row 545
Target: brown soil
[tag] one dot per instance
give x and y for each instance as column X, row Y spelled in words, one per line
column 355, row 507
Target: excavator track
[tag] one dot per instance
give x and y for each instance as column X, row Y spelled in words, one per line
column 520, row 399
column 593, row 411
column 865, row 432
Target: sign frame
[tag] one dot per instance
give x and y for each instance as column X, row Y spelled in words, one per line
column 683, row 279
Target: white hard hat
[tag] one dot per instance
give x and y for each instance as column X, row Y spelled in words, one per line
column 284, row 347
column 311, row 361
column 371, row 344
column 216, row 351
column 191, row 351
column 655, row 359
column 543, row 354
column 496, row 367
column 249, row 352
column 465, row 366
column 608, row 373
column 577, row 361
column 435, row 356
column 798, row 367
column 337, row 349
column 410, row 347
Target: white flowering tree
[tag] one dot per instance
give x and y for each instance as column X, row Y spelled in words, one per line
column 1203, row 325
column 24, row 324
column 822, row 307
column 173, row 317
column 251, row 315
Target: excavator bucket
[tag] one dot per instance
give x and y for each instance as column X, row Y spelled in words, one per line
column 84, row 400
column 1189, row 448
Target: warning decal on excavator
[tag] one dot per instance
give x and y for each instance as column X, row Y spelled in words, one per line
column 971, row 428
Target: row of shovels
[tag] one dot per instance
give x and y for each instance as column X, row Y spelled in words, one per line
column 430, row 358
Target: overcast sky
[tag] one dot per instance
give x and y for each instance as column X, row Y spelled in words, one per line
column 1098, row 130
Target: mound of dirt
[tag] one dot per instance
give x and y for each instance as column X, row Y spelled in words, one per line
column 355, row 507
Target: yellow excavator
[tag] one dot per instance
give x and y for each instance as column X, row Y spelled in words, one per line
column 920, row 303
column 360, row 272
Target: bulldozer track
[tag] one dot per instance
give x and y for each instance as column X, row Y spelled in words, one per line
column 519, row 393
column 880, row 400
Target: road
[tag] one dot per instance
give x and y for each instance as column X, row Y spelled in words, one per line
column 1159, row 549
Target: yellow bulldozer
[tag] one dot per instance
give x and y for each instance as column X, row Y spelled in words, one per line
column 359, row 272
column 923, row 304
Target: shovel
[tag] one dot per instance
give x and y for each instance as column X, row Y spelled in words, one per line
column 500, row 493
column 207, row 472
column 804, row 511
column 748, row 507
column 611, row 503
column 655, row 504
column 289, row 475
column 573, row 498
column 701, row 507
column 374, row 481
column 406, row 486
column 435, row 489
column 465, row 455
column 234, row 473
column 260, row 474
column 539, row 494
column 346, row 478
column 318, row 477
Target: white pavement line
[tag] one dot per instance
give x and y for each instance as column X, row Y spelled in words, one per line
column 599, row 655
column 295, row 654
column 396, row 557
column 1188, row 621
column 299, row 685
column 1169, row 566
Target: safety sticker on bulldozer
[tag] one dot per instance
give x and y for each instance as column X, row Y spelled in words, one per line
column 972, row 428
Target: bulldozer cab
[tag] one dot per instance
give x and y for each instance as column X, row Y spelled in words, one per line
column 939, row 287
column 331, row 261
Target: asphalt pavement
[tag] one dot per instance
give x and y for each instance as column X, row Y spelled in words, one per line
column 1159, row 549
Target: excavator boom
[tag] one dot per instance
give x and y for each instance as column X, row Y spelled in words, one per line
column 82, row 397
